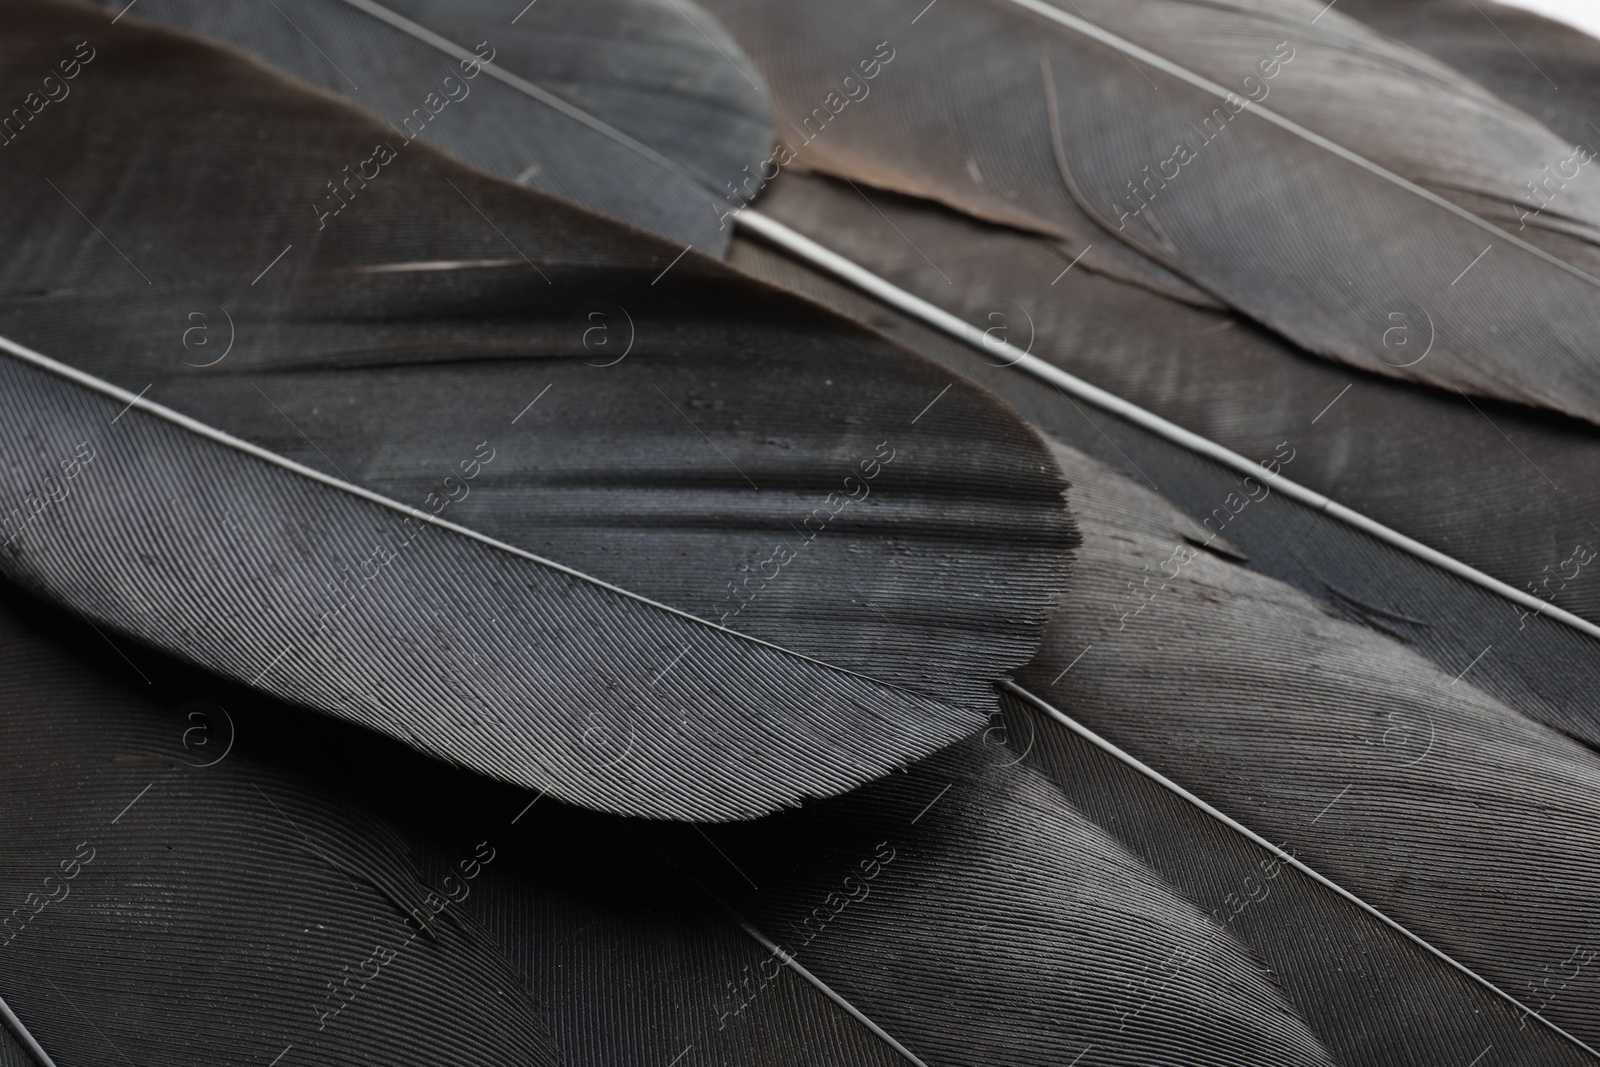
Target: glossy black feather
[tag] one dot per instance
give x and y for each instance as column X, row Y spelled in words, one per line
column 625, row 975
column 672, row 108
column 977, row 914
column 386, row 349
column 630, row 959
column 996, row 926
column 1396, row 106
column 1443, row 851
column 633, row 961
column 1370, row 994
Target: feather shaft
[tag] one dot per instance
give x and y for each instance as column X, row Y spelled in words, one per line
column 840, row 267
column 21, row 1033
column 784, row 236
column 828, row 991
column 522, row 85
column 1238, row 827
column 132, row 400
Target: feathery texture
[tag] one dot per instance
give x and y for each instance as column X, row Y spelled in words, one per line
column 1396, row 106
column 630, row 960
column 386, row 349
column 627, row 984
column 1022, row 914
column 674, row 109
column 975, row 916
column 625, row 976
column 996, row 926
column 12, row 1054
column 1002, row 112
column 1470, row 824
column 1175, row 658
column 1282, row 409
column 1505, row 490
column 633, row 962
column 173, row 901
column 1374, row 997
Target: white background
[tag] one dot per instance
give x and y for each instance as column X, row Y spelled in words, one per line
column 1584, row 14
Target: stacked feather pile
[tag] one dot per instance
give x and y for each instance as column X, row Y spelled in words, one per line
column 721, row 532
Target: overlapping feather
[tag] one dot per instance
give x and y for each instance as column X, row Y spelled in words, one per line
column 1410, row 788
column 405, row 348
column 1506, row 490
column 1543, row 67
column 962, row 948
column 639, row 109
column 171, row 897
column 1025, row 113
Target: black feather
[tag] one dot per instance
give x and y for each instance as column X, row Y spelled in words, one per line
column 1415, row 790
column 959, row 945
column 1506, row 490
column 1250, row 730
column 622, row 933
column 992, row 925
column 978, row 918
column 173, row 898
column 1265, row 400
column 1011, row 115
column 644, row 108
column 943, row 944
column 1371, row 995
column 386, row 353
